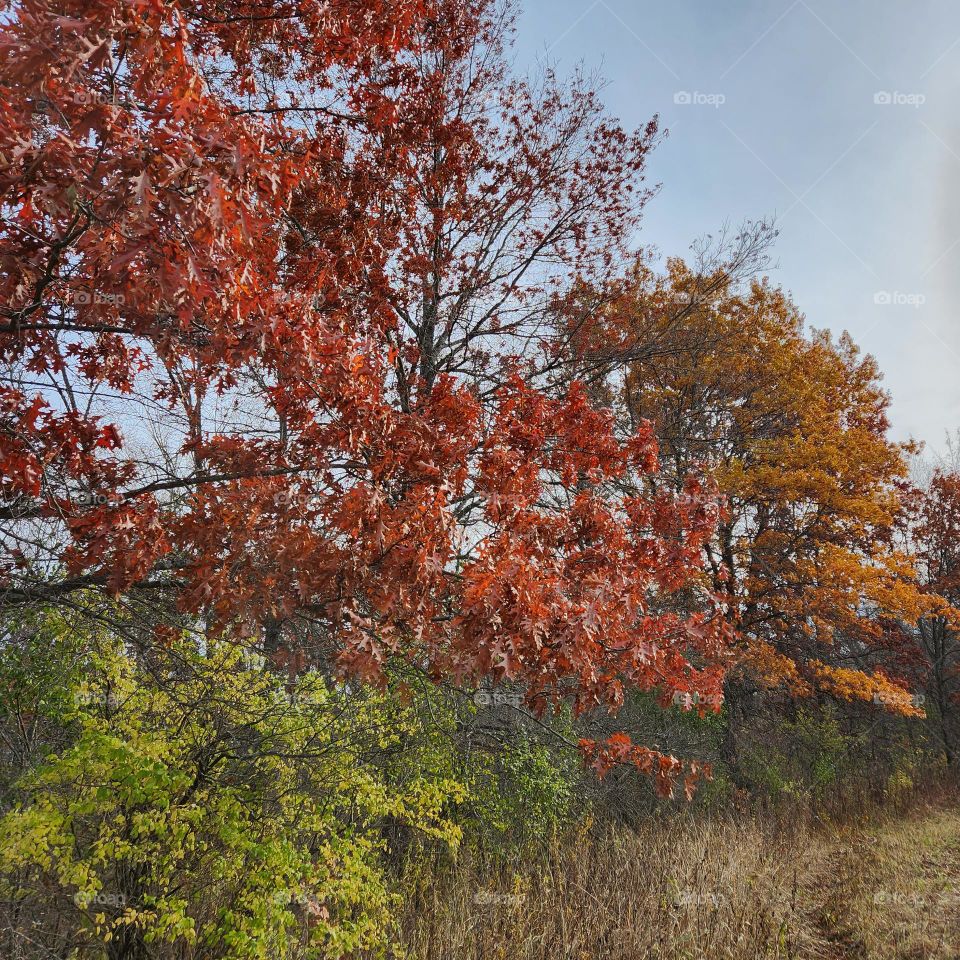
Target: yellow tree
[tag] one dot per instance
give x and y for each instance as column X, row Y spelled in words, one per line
column 794, row 427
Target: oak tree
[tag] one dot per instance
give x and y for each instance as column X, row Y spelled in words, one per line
column 279, row 291
column 793, row 426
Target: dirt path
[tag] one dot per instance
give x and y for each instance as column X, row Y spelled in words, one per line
column 890, row 892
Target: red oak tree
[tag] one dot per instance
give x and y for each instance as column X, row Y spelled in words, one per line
column 279, row 283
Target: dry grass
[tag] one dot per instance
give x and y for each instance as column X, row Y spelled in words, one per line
column 901, row 899
column 732, row 889
column 721, row 889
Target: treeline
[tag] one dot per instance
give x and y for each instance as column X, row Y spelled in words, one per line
column 369, row 501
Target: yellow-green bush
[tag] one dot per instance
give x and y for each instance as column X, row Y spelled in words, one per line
column 193, row 801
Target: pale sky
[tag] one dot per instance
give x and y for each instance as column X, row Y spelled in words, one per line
column 839, row 119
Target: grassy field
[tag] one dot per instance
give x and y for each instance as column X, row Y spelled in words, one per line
column 893, row 893
column 881, row 890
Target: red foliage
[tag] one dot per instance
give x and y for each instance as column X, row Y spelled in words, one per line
column 217, row 226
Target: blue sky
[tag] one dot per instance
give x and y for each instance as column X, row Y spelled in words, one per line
column 839, row 119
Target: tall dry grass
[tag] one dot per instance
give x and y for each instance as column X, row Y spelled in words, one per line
column 730, row 889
